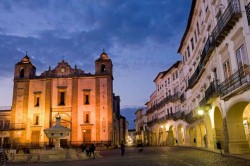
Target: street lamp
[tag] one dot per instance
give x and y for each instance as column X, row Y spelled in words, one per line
column 200, row 112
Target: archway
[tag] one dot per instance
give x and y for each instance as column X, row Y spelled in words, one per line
column 188, row 140
column 237, row 131
column 200, row 134
column 208, row 137
column 218, row 127
column 192, row 134
column 171, row 136
column 180, row 135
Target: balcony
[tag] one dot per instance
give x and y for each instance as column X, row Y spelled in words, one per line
column 208, row 48
column 175, row 97
column 196, row 75
column 190, row 118
column 182, row 97
column 226, row 22
column 161, row 120
column 236, row 83
column 248, row 12
column 12, row 126
column 177, row 115
column 210, row 93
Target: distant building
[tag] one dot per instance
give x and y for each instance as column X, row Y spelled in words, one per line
column 84, row 101
column 131, row 137
column 141, row 134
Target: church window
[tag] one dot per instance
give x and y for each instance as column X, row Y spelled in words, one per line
column 103, row 68
column 61, row 98
column 87, row 118
column 37, row 101
column 37, row 96
column 86, row 99
column 86, row 96
column 22, row 73
column 36, row 119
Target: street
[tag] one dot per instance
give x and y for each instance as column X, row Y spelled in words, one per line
column 153, row 156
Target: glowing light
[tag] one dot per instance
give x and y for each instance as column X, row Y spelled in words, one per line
column 200, row 112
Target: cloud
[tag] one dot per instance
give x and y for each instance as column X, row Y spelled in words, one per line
column 141, row 37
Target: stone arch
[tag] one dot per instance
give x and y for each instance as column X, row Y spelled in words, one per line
column 187, row 136
column 218, row 127
column 208, row 137
column 180, row 134
column 171, row 135
column 192, row 136
column 237, row 139
column 200, row 133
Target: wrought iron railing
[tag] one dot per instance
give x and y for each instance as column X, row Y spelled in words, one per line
column 170, row 98
column 182, row 97
column 248, row 12
column 177, row 115
column 231, row 12
column 206, row 50
column 235, row 81
column 190, row 118
column 12, row 126
column 196, row 75
column 211, row 91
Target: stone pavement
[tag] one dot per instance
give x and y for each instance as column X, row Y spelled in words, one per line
column 153, row 156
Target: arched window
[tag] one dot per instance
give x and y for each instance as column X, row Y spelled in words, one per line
column 22, row 73
column 103, row 68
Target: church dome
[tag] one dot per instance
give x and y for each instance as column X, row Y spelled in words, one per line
column 104, row 55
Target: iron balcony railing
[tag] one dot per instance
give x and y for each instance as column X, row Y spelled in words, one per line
column 12, row 126
column 182, row 97
column 226, row 21
column 208, row 48
column 235, row 81
column 248, row 13
column 177, row 115
column 170, row 98
column 190, row 118
column 196, row 75
column 211, row 92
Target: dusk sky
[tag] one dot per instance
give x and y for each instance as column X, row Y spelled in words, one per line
column 140, row 36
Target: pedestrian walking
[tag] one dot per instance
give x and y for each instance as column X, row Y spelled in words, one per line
column 122, row 148
column 92, row 150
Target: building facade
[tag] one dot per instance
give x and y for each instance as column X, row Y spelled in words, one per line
column 83, row 100
column 212, row 106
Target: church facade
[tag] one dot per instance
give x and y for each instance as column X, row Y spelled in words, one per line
column 83, row 100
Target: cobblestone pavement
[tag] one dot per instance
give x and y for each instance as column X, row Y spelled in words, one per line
column 153, row 156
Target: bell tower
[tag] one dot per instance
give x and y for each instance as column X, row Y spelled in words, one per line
column 103, row 65
column 24, row 69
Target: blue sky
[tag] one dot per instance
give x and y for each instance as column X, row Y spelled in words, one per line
column 140, row 36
